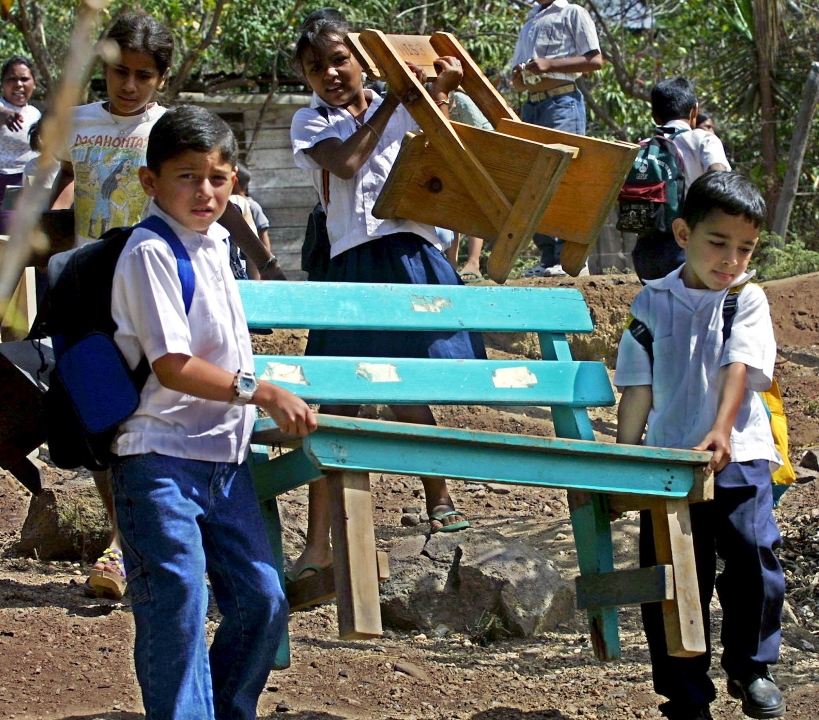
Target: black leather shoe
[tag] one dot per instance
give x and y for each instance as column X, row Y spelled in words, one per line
column 760, row 696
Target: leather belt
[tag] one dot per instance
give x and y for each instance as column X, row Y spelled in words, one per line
column 559, row 90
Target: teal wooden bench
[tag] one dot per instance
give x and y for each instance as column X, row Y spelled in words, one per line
column 601, row 478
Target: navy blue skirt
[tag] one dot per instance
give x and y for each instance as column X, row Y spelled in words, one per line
column 403, row 258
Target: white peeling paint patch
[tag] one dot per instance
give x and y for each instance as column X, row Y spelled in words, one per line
column 284, row 373
column 339, row 452
column 514, row 377
column 429, row 304
column 377, row 373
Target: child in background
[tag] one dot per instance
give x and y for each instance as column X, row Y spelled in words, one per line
column 33, row 166
column 699, row 391
column 463, row 109
column 99, row 174
column 183, row 491
column 354, row 134
column 260, row 220
column 674, row 106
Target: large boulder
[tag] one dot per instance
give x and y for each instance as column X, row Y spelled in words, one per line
column 65, row 523
column 469, row 580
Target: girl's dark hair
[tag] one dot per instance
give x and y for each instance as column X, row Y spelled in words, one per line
column 730, row 192
column 142, row 33
column 319, row 30
column 18, row 60
column 34, row 135
column 189, row 127
column 702, row 117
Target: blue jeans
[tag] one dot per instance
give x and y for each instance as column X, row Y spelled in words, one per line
column 739, row 526
column 562, row 112
column 178, row 519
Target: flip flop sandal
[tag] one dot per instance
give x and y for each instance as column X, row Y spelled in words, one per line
column 304, row 592
column 470, row 277
column 108, row 582
column 452, row 527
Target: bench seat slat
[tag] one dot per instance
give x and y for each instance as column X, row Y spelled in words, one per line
column 439, row 382
column 372, row 445
column 354, row 306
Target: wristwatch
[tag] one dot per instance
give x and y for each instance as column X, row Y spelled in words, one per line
column 245, row 384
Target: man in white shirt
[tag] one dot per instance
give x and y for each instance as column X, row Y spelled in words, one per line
column 557, row 43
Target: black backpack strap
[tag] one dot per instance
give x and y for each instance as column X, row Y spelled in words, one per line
column 640, row 332
column 729, row 309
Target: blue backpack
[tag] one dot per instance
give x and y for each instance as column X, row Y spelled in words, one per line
column 653, row 193
column 91, row 388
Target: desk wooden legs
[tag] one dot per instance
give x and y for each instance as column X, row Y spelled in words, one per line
column 354, row 555
column 674, row 545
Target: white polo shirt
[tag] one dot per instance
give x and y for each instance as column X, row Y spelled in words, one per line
column 688, row 354
column 700, row 150
column 350, row 220
column 559, row 30
column 148, row 308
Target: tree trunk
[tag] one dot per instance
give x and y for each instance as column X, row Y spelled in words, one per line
column 799, row 141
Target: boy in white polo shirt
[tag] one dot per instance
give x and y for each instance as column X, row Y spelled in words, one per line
column 183, row 493
column 674, row 107
column 696, row 388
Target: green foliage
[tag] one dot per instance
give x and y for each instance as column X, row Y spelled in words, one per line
column 772, row 261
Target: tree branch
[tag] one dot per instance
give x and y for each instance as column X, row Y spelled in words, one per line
column 192, row 55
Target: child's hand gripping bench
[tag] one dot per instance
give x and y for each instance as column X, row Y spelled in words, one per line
column 601, row 478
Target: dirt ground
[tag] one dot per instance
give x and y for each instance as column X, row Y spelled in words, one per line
column 64, row 656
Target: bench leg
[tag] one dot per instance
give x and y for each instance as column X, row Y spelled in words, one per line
column 354, row 555
column 592, row 537
column 674, row 545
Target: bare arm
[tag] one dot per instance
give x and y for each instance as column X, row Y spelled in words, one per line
column 197, row 377
column 345, row 158
column 717, row 166
column 248, row 242
column 62, row 191
column 718, row 439
column 591, row 61
column 632, row 414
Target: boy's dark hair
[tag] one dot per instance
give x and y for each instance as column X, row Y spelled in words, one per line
column 672, row 99
column 34, row 136
column 319, row 29
column 243, row 177
column 18, row 60
column 189, row 127
column 142, row 33
column 730, row 192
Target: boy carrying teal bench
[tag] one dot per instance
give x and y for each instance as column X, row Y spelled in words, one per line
column 697, row 389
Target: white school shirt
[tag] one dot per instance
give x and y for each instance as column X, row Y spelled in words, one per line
column 560, row 30
column 699, row 149
column 688, row 355
column 350, row 219
column 147, row 306
column 107, row 151
column 15, row 150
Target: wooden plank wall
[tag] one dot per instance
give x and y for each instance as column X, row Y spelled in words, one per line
column 282, row 189
column 287, row 196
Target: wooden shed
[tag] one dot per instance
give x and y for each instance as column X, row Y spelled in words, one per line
column 277, row 184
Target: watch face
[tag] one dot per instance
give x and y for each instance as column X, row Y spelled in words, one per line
column 247, row 384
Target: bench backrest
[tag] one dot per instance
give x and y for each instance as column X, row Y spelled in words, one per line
column 557, row 379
